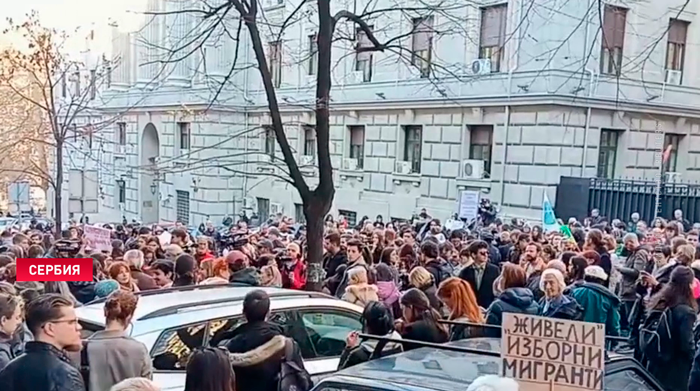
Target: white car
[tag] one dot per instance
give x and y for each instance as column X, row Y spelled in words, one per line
column 7, row 223
column 174, row 321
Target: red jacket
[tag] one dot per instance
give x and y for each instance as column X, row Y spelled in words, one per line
column 296, row 278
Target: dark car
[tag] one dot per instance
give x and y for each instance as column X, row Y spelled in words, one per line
column 435, row 369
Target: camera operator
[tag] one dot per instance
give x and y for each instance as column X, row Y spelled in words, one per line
column 487, row 212
column 292, row 268
column 83, row 291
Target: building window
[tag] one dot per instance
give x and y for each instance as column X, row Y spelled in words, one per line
column 422, row 44
column 183, row 136
column 93, row 86
column 263, row 209
column 607, row 153
column 121, row 191
column 313, row 54
column 76, row 84
column 363, row 57
column 480, row 141
column 675, row 48
column 350, row 216
column 671, row 141
column 64, row 87
column 182, row 206
column 309, row 140
column 493, row 35
column 121, row 133
column 299, row 214
column 357, row 144
column 270, row 141
column 614, row 20
column 412, row 146
column 275, row 57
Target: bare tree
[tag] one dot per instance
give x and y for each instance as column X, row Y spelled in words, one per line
column 214, row 22
column 60, row 92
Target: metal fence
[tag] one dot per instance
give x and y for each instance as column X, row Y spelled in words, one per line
column 619, row 198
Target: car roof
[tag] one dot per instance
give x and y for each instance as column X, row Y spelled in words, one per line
column 432, row 368
column 153, row 304
column 429, row 368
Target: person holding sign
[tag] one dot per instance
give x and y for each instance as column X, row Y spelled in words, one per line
column 555, row 304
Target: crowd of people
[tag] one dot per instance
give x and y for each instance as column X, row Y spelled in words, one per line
column 419, row 281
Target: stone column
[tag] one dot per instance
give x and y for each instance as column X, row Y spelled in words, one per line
column 119, row 66
column 178, row 28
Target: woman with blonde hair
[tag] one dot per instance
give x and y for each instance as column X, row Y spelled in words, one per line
column 421, row 279
column 359, row 291
column 460, row 300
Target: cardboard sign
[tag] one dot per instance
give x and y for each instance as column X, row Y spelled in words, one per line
column 98, row 239
column 547, row 354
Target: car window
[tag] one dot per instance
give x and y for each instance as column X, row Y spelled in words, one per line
column 627, row 380
column 173, row 347
column 325, row 331
column 220, row 330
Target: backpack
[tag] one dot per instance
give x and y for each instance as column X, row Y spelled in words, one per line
column 655, row 336
column 292, row 377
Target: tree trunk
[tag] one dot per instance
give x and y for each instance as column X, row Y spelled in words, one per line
column 58, row 189
column 315, row 210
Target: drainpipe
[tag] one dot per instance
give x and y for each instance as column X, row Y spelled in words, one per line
column 505, row 140
column 588, row 122
column 246, row 99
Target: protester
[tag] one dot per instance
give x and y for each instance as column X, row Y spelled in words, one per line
column 515, row 297
column 44, row 366
column 257, row 347
column 209, row 369
column 461, row 304
column 555, row 304
column 599, row 304
column 377, row 319
column 112, row 355
column 481, row 274
column 10, row 324
column 420, row 321
column 359, row 291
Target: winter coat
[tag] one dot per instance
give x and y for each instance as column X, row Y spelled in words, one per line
column 634, row 264
column 214, row 281
column 83, row 291
column 424, row 331
column 533, row 284
column 513, row 301
column 42, row 368
column 332, row 261
column 605, row 263
column 484, row 292
column 340, row 291
column 7, row 353
column 360, row 294
column 675, row 373
column 249, row 276
column 600, row 305
column 389, row 294
column 563, row 307
column 256, row 351
column 113, row 357
column 363, row 352
column 294, row 278
column 431, row 292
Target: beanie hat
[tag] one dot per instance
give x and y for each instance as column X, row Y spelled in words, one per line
column 105, row 287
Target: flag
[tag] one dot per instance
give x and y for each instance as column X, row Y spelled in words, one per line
column 667, row 153
column 549, row 220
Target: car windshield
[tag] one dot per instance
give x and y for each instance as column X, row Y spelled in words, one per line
column 6, row 222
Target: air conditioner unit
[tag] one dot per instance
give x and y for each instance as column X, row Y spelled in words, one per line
column 473, row 169
column 307, row 160
column 403, row 168
column 350, row 164
column 481, row 66
column 674, row 77
column 275, row 208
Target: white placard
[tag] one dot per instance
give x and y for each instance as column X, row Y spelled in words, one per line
column 469, row 204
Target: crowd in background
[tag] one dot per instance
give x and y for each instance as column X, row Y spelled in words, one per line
column 418, row 281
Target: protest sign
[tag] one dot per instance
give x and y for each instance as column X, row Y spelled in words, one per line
column 547, row 354
column 97, row 239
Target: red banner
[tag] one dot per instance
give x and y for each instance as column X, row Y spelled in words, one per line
column 54, row 269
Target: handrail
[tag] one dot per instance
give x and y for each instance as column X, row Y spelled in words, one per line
column 423, row 344
column 609, row 338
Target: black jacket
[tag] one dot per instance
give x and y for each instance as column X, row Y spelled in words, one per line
column 605, row 263
column 431, row 292
column 423, row 331
column 363, row 352
column 504, row 251
column 42, row 368
column 512, row 301
column 331, row 262
column 249, row 276
column 484, row 293
column 84, row 291
column 566, row 308
column 674, row 374
column 256, row 353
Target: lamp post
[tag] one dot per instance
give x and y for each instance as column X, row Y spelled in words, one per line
column 154, row 188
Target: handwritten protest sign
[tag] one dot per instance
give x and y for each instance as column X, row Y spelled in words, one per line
column 97, row 239
column 546, row 354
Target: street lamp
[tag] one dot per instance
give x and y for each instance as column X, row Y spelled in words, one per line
column 154, row 188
